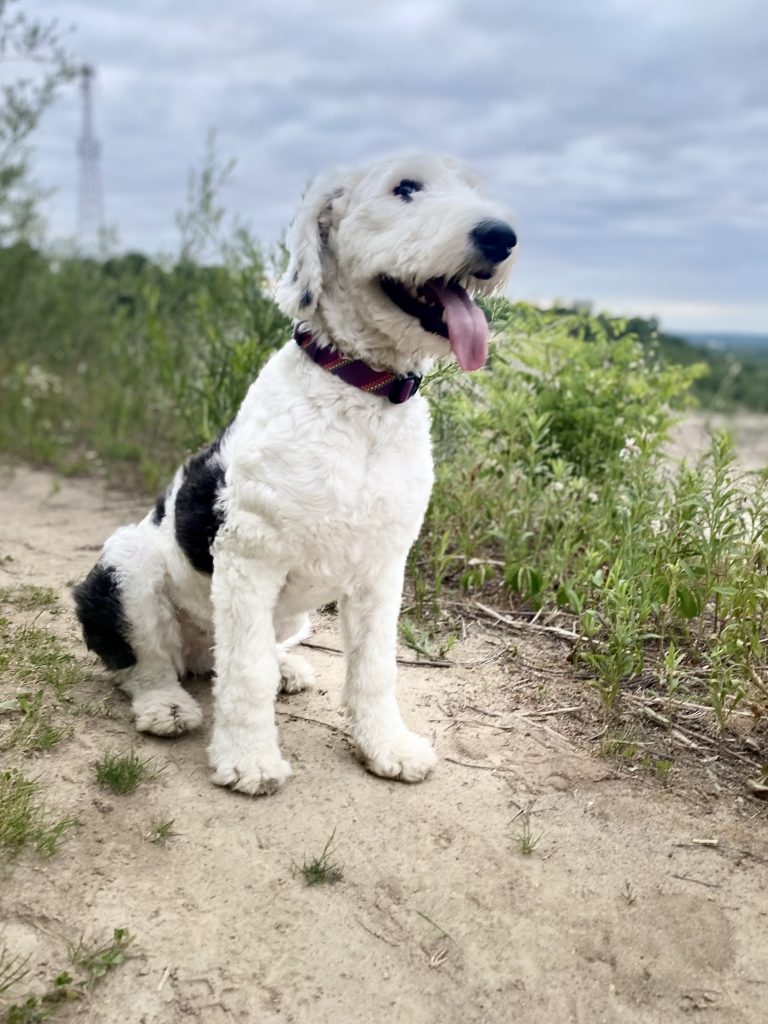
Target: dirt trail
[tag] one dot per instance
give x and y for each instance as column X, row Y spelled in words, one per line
column 617, row 916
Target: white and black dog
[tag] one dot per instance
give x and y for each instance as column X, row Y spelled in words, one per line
column 318, row 488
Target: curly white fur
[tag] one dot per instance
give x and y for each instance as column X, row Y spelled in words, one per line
column 325, row 489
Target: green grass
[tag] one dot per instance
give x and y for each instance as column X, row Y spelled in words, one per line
column 161, row 831
column 37, row 674
column 35, row 731
column 526, row 840
column 29, row 654
column 90, row 962
column 322, row 870
column 430, row 640
column 13, row 969
column 95, row 958
column 26, row 598
column 23, row 820
column 124, row 773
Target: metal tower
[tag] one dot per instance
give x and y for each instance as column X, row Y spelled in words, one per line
column 89, row 202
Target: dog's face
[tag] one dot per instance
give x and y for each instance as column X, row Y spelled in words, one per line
column 400, row 247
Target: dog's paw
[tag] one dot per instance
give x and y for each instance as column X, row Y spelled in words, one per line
column 296, row 674
column 256, row 774
column 166, row 712
column 404, row 755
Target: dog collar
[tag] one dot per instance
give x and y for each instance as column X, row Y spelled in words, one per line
column 396, row 388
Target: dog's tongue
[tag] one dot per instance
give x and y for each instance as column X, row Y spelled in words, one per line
column 466, row 323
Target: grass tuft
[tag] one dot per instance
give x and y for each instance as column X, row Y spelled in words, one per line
column 527, row 841
column 124, row 773
column 29, row 654
column 28, row 598
column 161, row 831
column 322, row 870
column 95, row 959
column 23, row 821
column 12, row 969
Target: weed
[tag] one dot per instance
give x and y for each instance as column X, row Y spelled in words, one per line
column 95, row 959
column 321, row 870
column 12, row 970
column 618, row 744
column 91, row 963
column 663, row 766
column 525, row 837
column 628, row 893
column 23, row 821
column 429, row 641
column 161, row 831
column 32, row 655
column 124, row 773
column 35, row 731
column 28, row 598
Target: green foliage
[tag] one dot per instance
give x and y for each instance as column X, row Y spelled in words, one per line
column 128, row 363
column 161, row 831
column 124, row 773
column 23, row 821
column 31, row 655
column 550, row 466
column 91, row 961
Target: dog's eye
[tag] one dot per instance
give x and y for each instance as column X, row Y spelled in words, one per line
column 406, row 188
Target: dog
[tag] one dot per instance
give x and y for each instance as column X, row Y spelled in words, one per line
column 318, row 488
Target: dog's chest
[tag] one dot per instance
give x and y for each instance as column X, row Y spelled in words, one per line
column 342, row 489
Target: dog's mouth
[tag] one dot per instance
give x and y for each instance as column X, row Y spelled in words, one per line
column 444, row 307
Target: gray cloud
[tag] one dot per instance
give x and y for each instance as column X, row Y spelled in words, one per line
column 631, row 136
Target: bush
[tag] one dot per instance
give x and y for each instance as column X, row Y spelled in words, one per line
column 552, row 485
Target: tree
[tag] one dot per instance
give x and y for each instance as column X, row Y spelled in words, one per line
column 33, row 65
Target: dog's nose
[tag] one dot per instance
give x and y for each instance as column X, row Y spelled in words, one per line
column 494, row 239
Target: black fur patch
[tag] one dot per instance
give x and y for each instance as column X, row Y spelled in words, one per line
column 99, row 608
column 159, row 513
column 197, row 519
column 306, row 299
column 406, row 188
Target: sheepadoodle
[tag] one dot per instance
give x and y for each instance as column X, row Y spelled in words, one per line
column 317, row 489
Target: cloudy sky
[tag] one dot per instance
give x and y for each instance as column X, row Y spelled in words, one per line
column 631, row 136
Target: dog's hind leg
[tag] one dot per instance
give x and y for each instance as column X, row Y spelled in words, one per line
column 369, row 616
column 296, row 673
column 160, row 705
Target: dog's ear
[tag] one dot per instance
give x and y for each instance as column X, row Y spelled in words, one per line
column 299, row 288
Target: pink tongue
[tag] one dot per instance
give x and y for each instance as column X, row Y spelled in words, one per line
column 467, row 326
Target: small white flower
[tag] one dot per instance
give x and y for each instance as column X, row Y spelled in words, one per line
column 630, row 449
column 558, row 486
column 592, row 497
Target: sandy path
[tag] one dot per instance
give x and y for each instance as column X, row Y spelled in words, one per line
column 439, row 916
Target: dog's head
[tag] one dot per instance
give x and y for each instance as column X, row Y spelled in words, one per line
column 387, row 259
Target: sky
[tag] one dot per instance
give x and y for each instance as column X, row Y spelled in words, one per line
column 630, row 137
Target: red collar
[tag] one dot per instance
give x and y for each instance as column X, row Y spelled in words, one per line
column 396, row 388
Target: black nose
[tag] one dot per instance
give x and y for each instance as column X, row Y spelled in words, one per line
column 494, row 239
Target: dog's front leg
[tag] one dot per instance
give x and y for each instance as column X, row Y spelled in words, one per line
column 369, row 616
column 244, row 751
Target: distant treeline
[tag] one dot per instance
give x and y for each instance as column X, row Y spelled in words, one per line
column 732, row 379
